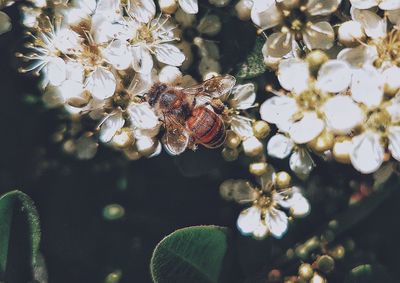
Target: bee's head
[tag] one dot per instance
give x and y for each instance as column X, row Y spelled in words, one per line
column 154, row 93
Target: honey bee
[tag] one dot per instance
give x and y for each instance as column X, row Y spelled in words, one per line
column 191, row 116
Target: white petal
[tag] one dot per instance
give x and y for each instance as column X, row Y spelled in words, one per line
column 364, row 4
column 248, row 220
column 261, row 230
column 367, row 86
column 111, row 126
column 101, row 83
column 301, row 163
column 277, row 222
column 394, row 16
column 169, row 54
column 242, row 97
column 67, row 41
column 394, row 142
column 389, row 4
column 265, row 14
column 252, row 146
column 334, row 76
column 391, row 77
column 278, row 109
column 118, row 55
column 145, row 145
column 141, row 59
column 56, row 71
column 189, row 6
column 293, row 75
column 141, row 83
column 142, row 10
column 293, row 199
column 169, row 75
column 73, row 93
column 110, row 9
column 306, row 129
column 394, row 108
column 319, row 36
column 374, row 26
column 143, row 117
column 278, row 45
column 367, row 153
column 5, row 23
column 242, row 126
column 74, row 71
column 359, row 56
column 280, row 146
column 322, row 8
column 342, row 114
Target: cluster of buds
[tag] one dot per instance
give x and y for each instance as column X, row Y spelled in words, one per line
column 317, row 259
column 271, row 202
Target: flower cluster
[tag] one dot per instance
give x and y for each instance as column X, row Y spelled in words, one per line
column 98, row 58
column 345, row 107
column 268, row 203
column 297, row 25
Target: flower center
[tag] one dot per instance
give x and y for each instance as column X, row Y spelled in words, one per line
column 378, row 120
column 310, row 99
column 145, row 34
column 388, row 48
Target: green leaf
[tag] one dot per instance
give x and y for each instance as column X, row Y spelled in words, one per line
column 194, row 254
column 254, row 64
column 368, row 274
column 13, row 205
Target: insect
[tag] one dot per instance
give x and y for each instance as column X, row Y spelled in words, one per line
column 187, row 116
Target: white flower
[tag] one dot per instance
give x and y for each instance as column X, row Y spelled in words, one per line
column 374, row 26
column 242, row 97
column 266, row 215
column 316, row 33
column 301, row 163
column 392, row 7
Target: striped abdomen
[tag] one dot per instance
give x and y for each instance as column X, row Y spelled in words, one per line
column 207, row 127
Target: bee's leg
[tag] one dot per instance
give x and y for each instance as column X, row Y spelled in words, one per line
column 192, row 144
column 217, row 105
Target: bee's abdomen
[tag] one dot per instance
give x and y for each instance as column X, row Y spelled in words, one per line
column 207, row 127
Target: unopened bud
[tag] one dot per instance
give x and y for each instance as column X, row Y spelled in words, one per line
column 325, row 263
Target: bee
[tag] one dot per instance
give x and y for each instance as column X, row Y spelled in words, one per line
column 191, row 116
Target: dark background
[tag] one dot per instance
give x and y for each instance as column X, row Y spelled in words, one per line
column 159, row 195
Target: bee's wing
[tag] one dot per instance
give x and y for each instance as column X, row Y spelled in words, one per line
column 215, row 87
column 176, row 137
